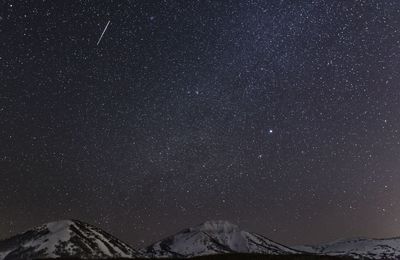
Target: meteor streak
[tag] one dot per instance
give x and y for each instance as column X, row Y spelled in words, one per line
column 101, row 36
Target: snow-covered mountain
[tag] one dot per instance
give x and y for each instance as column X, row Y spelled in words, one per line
column 65, row 238
column 214, row 237
column 72, row 238
column 358, row 248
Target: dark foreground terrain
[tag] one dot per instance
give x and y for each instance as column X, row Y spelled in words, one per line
column 242, row 257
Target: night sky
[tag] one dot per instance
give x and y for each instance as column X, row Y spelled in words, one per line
column 280, row 116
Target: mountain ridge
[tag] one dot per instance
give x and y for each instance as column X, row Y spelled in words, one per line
column 74, row 238
column 370, row 248
column 64, row 238
column 214, row 237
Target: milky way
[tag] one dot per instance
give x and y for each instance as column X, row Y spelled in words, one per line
column 280, row 116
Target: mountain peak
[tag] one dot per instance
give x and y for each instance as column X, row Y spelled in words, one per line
column 214, row 237
column 221, row 226
column 64, row 238
column 57, row 226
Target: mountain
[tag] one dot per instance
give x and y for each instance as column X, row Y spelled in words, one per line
column 67, row 238
column 214, row 237
column 388, row 248
column 72, row 238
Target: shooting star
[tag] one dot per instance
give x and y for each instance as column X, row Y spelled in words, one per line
column 101, row 36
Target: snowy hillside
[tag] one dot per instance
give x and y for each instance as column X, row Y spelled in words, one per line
column 358, row 248
column 64, row 239
column 214, row 237
column 72, row 238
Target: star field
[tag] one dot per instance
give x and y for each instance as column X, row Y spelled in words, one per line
column 280, row 116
